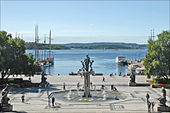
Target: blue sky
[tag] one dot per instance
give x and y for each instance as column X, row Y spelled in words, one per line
column 86, row 21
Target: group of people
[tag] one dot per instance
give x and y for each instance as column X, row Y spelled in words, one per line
column 120, row 74
column 162, row 100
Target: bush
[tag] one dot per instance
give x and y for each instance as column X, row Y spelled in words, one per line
column 161, row 81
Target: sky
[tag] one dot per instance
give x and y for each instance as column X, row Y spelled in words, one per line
column 86, row 21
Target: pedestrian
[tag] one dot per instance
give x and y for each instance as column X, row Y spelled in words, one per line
column 22, row 98
column 78, row 85
column 147, row 97
column 149, row 106
column 102, row 87
column 164, row 92
column 53, row 100
column 112, row 86
column 103, row 79
column 91, row 84
column 64, row 86
column 119, row 73
column 48, row 97
column 152, row 106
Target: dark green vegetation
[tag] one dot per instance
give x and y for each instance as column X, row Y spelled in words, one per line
column 101, row 45
column 161, row 81
column 13, row 59
column 31, row 45
column 157, row 61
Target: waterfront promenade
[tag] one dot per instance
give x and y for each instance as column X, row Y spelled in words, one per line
column 36, row 100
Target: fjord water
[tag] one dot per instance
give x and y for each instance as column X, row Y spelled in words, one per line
column 66, row 61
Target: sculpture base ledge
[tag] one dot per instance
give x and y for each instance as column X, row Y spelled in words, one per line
column 163, row 108
column 6, row 108
column 132, row 83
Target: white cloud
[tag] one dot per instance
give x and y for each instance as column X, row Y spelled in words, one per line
column 92, row 25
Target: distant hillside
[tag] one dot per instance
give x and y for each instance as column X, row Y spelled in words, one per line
column 106, row 45
column 30, row 45
column 100, row 45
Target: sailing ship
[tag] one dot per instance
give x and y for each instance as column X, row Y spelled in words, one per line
column 46, row 59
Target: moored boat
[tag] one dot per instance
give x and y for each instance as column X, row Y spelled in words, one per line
column 121, row 60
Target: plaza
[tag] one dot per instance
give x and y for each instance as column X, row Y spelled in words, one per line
column 36, row 100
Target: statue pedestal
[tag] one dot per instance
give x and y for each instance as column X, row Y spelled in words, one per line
column 86, row 84
column 132, row 83
column 162, row 108
column 6, row 108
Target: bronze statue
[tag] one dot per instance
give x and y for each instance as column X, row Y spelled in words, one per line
column 4, row 93
column 132, row 77
column 162, row 100
column 4, row 105
column 87, row 63
column 86, row 73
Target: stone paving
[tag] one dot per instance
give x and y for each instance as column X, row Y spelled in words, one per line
column 36, row 100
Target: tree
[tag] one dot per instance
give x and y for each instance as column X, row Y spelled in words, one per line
column 5, row 53
column 13, row 59
column 157, row 60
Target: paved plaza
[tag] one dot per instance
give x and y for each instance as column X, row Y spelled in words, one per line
column 36, row 100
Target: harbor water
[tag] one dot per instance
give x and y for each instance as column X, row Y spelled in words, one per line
column 67, row 61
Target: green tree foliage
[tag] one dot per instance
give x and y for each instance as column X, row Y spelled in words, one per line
column 157, row 61
column 13, row 60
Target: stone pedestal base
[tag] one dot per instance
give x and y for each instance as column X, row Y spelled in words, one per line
column 163, row 109
column 6, row 108
column 132, row 84
column 86, row 84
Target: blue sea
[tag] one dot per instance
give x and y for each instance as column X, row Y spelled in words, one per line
column 66, row 61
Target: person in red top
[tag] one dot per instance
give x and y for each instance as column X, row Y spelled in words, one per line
column 152, row 105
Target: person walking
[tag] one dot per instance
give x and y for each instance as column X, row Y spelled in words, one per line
column 149, row 106
column 78, row 85
column 64, row 86
column 22, row 98
column 120, row 73
column 152, row 106
column 103, row 79
column 53, row 100
column 147, row 97
column 148, row 102
column 91, row 84
column 164, row 92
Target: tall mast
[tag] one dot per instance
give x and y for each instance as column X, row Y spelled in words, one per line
column 50, row 44
column 45, row 47
column 153, row 34
column 16, row 35
column 42, row 50
column 35, row 44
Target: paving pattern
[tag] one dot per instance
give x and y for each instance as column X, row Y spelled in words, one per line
column 36, row 101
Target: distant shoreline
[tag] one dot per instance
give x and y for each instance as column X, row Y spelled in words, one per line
column 102, row 45
column 93, row 49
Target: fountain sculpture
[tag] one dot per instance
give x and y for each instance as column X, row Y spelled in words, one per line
column 86, row 94
column 86, row 73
